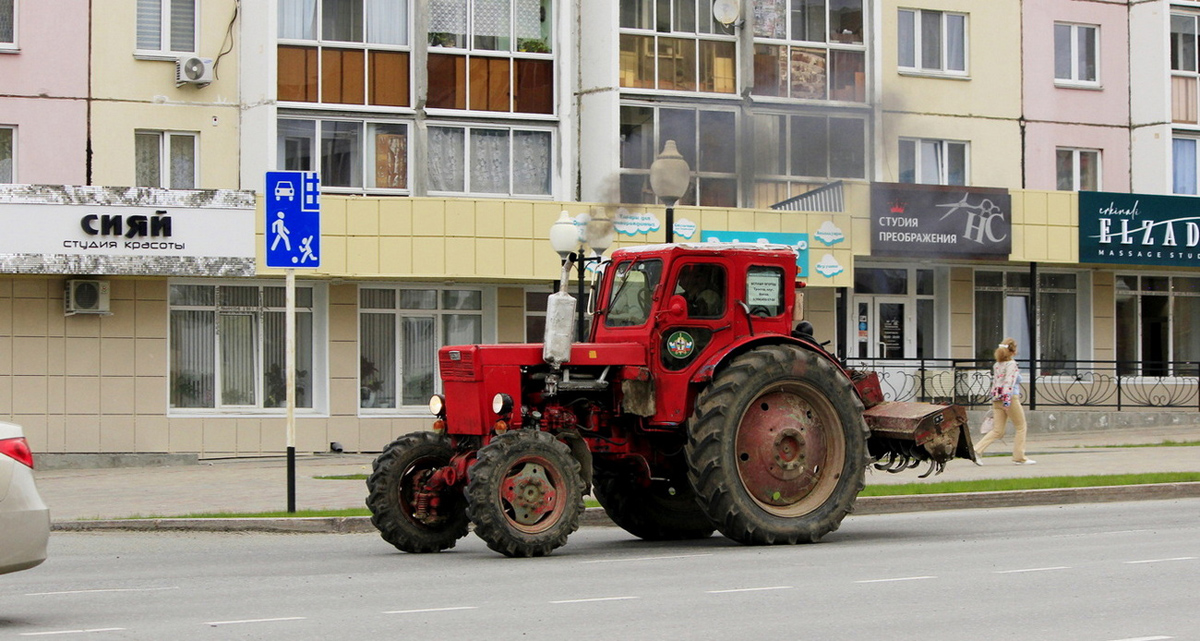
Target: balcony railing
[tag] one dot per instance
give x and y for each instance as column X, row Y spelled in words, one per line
column 1062, row 384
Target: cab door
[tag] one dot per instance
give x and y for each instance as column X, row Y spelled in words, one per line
column 684, row 336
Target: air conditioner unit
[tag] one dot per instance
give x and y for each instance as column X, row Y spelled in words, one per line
column 86, row 297
column 193, row 70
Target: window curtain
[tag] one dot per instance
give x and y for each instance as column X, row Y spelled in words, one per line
column 387, row 22
column 1184, row 151
column 341, row 154
column 298, row 19
column 377, row 364
column 931, row 40
column 295, row 142
column 183, row 162
column 192, row 362
column 1062, row 51
column 238, row 358
column 489, row 161
column 342, row 20
column 149, row 25
column 956, row 43
column 1057, row 333
column 932, row 162
column 6, row 155
column 146, row 160
column 528, row 18
column 419, row 354
column 448, row 16
column 183, row 25
column 907, row 39
column 531, row 170
column 491, row 18
column 1016, row 325
column 446, row 163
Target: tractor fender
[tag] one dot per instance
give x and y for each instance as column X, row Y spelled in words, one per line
column 705, row 372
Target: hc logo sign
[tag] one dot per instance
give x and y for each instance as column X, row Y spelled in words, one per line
column 293, row 223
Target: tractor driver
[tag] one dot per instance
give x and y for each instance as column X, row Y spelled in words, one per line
column 703, row 287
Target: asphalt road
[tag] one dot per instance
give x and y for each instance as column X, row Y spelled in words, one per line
column 1089, row 572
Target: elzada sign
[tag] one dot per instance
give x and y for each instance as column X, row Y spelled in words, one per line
column 931, row 220
column 1139, row 229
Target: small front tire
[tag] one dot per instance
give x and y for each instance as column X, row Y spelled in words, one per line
column 393, row 495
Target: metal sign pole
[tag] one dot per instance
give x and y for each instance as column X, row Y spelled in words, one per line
column 290, row 364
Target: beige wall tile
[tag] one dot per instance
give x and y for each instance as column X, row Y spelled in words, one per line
column 122, row 323
column 6, row 286
column 6, row 355
column 510, row 297
column 117, row 434
column 249, row 435
column 395, row 256
column 29, row 317
column 150, row 356
column 518, row 221
column 82, row 434
column 152, row 433
column 34, row 286
column 460, row 257
column 374, row 434
column 29, row 394
column 37, row 434
column 362, row 255
column 429, row 217
column 333, row 254
column 56, row 356
column 518, row 257
column 511, row 325
column 343, row 393
column 151, row 318
column 274, row 435
column 186, row 435
column 333, row 216
column 83, row 357
column 56, row 394
column 30, row 356
column 150, row 395
column 122, row 289
column 220, row 436
column 362, row 217
column 83, row 395
column 56, row 319
column 117, row 395
column 343, row 360
column 344, row 430
column 117, row 357
column 56, row 433
column 395, row 217
column 311, row 436
column 6, row 316
column 429, row 256
column 6, row 396
column 82, row 325
column 151, row 289
column 460, row 218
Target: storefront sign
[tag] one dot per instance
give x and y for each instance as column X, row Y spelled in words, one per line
column 131, row 231
column 1139, row 229
column 934, row 221
column 798, row 242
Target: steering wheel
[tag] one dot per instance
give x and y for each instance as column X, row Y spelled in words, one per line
column 760, row 310
column 643, row 299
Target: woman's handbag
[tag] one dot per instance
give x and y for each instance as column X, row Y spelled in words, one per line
column 987, row 424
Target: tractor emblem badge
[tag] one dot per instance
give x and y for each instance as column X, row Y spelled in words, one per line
column 680, row 345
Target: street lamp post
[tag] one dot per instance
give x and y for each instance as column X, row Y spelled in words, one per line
column 669, row 178
column 570, row 239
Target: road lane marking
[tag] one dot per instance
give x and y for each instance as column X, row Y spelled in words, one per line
column 905, row 578
column 1145, row 639
column 43, row 634
column 648, row 558
column 774, row 587
column 1178, row 558
column 101, row 590
column 603, row 598
column 1057, row 567
column 254, row 621
column 423, row 610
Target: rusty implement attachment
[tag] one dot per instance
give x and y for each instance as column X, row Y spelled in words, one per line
column 907, row 434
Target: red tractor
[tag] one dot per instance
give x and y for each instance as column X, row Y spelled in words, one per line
column 697, row 404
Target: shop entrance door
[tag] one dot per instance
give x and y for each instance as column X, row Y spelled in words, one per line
column 882, row 329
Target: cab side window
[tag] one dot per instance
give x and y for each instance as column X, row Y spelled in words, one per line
column 702, row 285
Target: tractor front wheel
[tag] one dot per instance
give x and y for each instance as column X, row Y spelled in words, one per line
column 777, row 446
column 526, row 493
column 406, row 513
column 663, row 511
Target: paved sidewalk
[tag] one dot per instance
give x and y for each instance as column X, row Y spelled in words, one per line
column 259, row 485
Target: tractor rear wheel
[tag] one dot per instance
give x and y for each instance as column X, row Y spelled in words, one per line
column 664, row 511
column 777, row 447
column 399, row 509
column 526, row 493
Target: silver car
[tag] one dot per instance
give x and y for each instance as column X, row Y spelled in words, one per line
column 24, row 518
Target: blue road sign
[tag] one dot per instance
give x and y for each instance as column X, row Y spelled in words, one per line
column 293, row 209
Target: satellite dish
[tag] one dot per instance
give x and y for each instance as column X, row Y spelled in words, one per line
column 727, row 11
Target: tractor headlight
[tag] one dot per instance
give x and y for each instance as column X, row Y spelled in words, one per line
column 437, row 405
column 502, row 404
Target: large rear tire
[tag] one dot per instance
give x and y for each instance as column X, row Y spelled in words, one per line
column 397, row 476
column 526, row 493
column 777, row 447
column 664, row 511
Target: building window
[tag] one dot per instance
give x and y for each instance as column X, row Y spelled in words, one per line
column 165, row 159
column 166, row 26
column 343, row 148
column 705, row 138
column 491, row 55
column 8, row 158
column 933, row 41
column 536, row 302
column 8, row 24
column 933, row 162
column 350, row 52
column 400, row 331
column 1078, row 169
column 1076, row 50
column 490, row 160
column 794, row 154
column 1183, row 168
column 228, row 346
column 1157, row 325
column 1002, row 309
column 828, row 61
column 1184, row 75
column 676, row 45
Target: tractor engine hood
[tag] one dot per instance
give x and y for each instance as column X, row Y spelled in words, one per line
column 464, row 363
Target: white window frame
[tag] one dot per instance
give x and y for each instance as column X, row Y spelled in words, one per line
column 165, row 51
column 1075, row 35
column 915, row 38
column 318, row 374
column 164, row 156
column 467, row 128
column 12, row 161
column 943, row 176
column 366, row 153
column 1076, row 164
column 11, row 45
column 486, row 314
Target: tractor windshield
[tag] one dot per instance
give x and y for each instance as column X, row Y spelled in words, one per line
column 632, row 292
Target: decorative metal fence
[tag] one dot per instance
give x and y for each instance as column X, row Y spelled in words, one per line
column 1083, row 384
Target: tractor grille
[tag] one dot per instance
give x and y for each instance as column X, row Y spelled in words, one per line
column 458, row 365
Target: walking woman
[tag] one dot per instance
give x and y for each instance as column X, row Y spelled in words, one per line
column 1006, row 403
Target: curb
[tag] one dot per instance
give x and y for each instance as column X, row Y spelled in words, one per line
column 595, row 517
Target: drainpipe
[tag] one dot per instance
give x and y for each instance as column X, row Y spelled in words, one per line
column 1033, row 335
